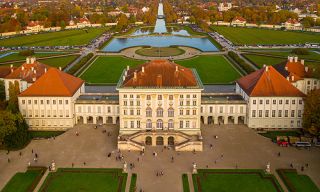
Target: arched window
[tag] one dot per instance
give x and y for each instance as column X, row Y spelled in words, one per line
column 148, row 112
column 170, row 124
column 149, row 124
column 170, row 112
column 159, row 112
column 159, row 124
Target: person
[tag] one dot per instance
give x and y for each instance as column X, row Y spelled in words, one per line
column 31, row 150
column 109, row 154
column 77, row 133
column 72, row 165
column 20, row 153
column 138, row 159
column 211, row 146
column 302, row 168
column 307, row 165
column 172, row 159
column 36, row 155
column 279, row 154
column 9, row 160
column 291, row 165
column 84, row 163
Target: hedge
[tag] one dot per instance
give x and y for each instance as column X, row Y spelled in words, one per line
column 245, row 66
column 133, row 183
column 185, row 183
column 80, row 64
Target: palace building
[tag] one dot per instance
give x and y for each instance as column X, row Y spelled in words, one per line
column 160, row 102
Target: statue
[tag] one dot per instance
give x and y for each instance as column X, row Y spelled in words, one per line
column 194, row 170
column 125, row 167
column 53, row 166
column 268, row 168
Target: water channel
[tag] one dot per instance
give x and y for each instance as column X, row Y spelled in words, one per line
column 159, row 36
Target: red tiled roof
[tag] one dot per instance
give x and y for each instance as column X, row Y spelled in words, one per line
column 54, row 83
column 33, row 23
column 295, row 70
column 84, row 20
column 292, row 21
column 5, row 70
column 268, row 82
column 239, row 19
column 28, row 72
column 160, row 73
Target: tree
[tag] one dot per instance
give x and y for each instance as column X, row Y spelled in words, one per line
column 14, row 91
column 308, row 22
column 122, row 23
column 311, row 115
column 7, row 124
column 63, row 24
column 2, row 91
column 20, row 137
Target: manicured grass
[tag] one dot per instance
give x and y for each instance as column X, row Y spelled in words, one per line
column 45, row 134
column 107, row 70
column 133, row 183
column 260, row 60
column 17, row 57
column 62, row 38
column 296, row 182
column 235, row 180
column 212, row 69
column 273, row 134
column 285, row 54
column 106, row 180
column 53, row 62
column 22, row 182
column 255, row 36
column 160, row 51
column 185, row 183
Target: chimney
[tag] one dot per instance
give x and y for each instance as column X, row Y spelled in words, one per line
column 177, row 68
column 302, row 62
column 286, row 68
column 35, row 71
column 264, row 65
column 128, row 67
column 45, row 70
column 142, row 69
column 292, row 78
column 159, row 80
column 60, row 68
column 11, row 66
column 295, row 59
column 32, row 60
column 288, row 78
column 306, row 69
column 290, row 59
column 34, row 79
column 124, row 78
column 28, row 60
column 32, row 68
column 135, row 75
column 22, row 68
column 267, row 68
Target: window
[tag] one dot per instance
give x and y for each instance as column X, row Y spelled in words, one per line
column 99, row 109
column 170, row 97
column 280, row 113
column 241, row 109
column 23, row 102
column 194, row 96
column 23, row 112
column 60, row 102
column 131, row 124
column 124, row 96
column 181, row 111
column 131, row 96
column 138, row 124
column 149, row 112
column 131, row 103
column 125, row 103
column 194, row 103
column 267, row 102
column 125, row 124
column 231, row 109
column 67, row 102
column 131, row 112
column 187, row 112
column 138, row 96
column 149, row 124
column 159, row 97
column 41, row 102
column 79, row 109
column 29, row 102
column 159, row 124
column 181, row 103
column 211, row 109
column 286, row 113
column 267, row 113
column 181, row 124
column 42, row 113
column 67, row 113
column 274, row 101
column 188, row 96
column 181, row 96
column 35, row 102
column 280, row 102
column 187, row 124
column 54, row 102
column 221, row 109
column 254, row 101
column 61, row 113
column 188, row 103
column 170, row 124
column 287, row 102
column 293, row 102
column 48, row 102
column 292, row 113
column 300, row 101
column 138, row 103
column 89, row 109
column 261, row 102
column 148, row 97
column 125, row 112
column 260, row 113
column 194, row 112
column 273, row 113
column 138, row 111
column 253, row 113
column 299, row 113
column 109, row 109
column 48, row 113
column 159, row 112
column 170, row 112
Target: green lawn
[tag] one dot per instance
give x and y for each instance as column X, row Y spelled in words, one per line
column 212, row 69
column 22, row 182
column 53, row 62
column 162, row 51
column 107, row 70
column 255, row 36
column 17, row 57
column 185, row 183
column 297, row 182
column 266, row 60
column 273, row 134
column 312, row 55
column 62, row 38
column 67, row 180
column 234, row 180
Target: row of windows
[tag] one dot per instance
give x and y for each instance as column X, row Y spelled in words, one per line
column 273, row 113
column 160, row 112
column 131, row 103
column 221, row 109
column 49, row 113
column 274, row 102
column 159, row 124
column 91, row 109
column 49, row 123
column 41, row 102
column 160, row 96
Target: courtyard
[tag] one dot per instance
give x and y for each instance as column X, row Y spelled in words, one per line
column 239, row 145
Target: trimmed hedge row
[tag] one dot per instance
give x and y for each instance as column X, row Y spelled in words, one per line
column 185, row 183
column 81, row 63
column 240, row 62
column 133, row 183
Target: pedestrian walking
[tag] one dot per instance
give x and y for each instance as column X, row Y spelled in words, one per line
column 302, row 168
column 211, row 146
column 279, row 154
column 72, row 165
column 20, row 153
column 84, row 163
column 291, row 165
column 307, row 165
column 36, row 155
column 31, row 150
column 9, row 160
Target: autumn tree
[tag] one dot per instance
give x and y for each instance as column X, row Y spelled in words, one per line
column 7, row 124
column 122, row 22
column 14, row 91
column 311, row 115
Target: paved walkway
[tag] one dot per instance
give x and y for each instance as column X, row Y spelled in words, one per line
column 41, row 181
column 238, row 144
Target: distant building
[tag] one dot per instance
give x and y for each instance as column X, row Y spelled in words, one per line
column 238, row 21
column 35, row 26
column 224, row 6
column 145, row 9
column 292, row 24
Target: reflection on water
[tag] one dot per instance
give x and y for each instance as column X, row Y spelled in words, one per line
column 142, row 37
